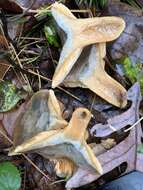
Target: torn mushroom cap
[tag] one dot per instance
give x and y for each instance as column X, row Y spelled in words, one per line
column 89, row 72
column 73, row 134
column 80, row 33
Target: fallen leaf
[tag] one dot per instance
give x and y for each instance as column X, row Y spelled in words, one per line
column 18, row 6
column 9, row 118
column 131, row 40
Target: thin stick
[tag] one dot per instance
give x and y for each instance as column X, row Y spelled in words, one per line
column 47, row 79
column 138, row 121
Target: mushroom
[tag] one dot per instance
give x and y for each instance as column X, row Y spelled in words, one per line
column 64, row 167
column 90, row 72
column 43, row 112
column 42, row 129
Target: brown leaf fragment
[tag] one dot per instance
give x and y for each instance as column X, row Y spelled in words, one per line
column 9, row 118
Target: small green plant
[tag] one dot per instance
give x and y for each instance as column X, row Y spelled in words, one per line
column 9, row 177
column 133, row 72
column 51, row 35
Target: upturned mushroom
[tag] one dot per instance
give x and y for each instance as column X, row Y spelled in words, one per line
column 91, row 74
column 43, row 130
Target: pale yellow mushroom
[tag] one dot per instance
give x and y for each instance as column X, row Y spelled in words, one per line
column 89, row 72
column 81, row 33
column 64, row 167
column 73, row 134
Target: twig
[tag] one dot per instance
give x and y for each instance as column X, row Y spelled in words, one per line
column 47, row 79
column 58, row 181
column 138, row 121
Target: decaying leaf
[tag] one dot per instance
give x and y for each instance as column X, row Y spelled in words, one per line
column 9, row 96
column 18, row 6
column 84, row 32
column 55, row 136
column 124, row 152
column 7, row 119
column 130, row 42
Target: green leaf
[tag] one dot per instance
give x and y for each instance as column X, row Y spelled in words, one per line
column 51, row 35
column 9, row 177
column 9, row 96
column 140, row 148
